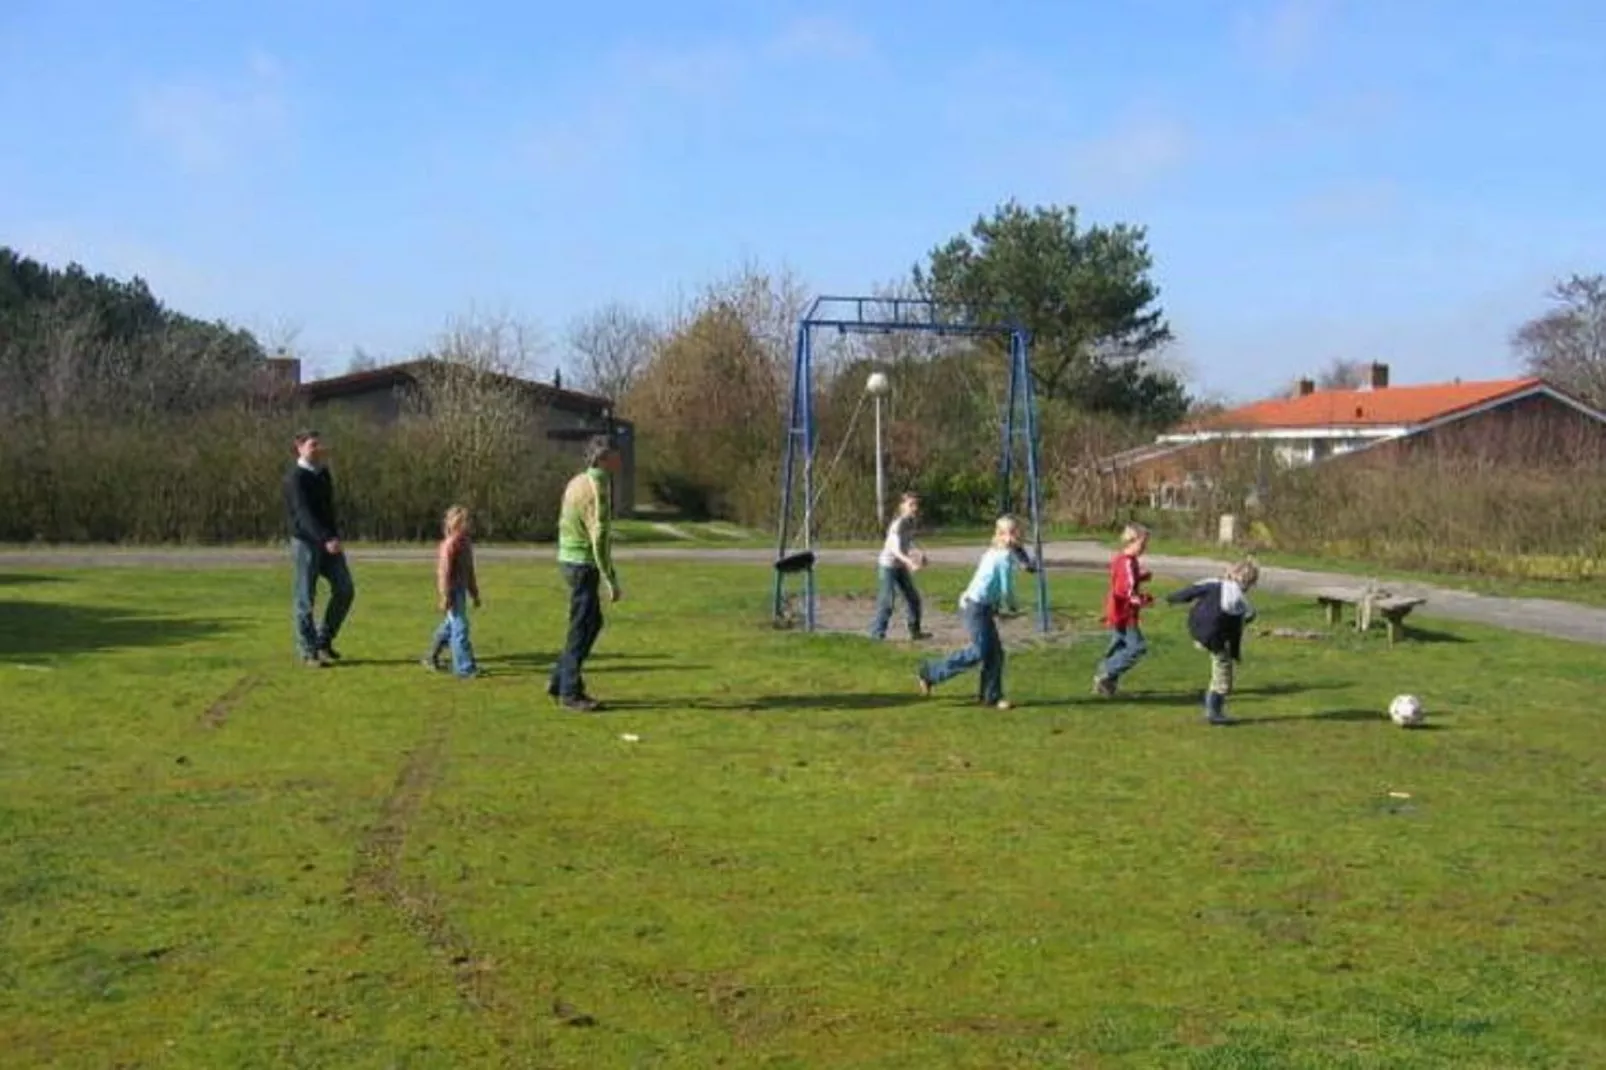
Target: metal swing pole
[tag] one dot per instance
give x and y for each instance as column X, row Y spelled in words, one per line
column 1022, row 364
column 789, row 445
column 1006, row 453
column 806, row 364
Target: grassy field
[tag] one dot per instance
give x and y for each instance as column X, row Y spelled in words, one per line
column 212, row 858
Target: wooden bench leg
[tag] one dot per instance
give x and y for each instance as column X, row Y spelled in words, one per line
column 1397, row 626
column 1333, row 609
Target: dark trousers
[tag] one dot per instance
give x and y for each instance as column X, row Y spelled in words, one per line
column 585, row 624
column 311, row 561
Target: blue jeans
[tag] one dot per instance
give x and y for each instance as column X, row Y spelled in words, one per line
column 1127, row 645
column 311, row 561
column 585, row 624
column 985, row 649
column 453, row 633
column 891, row 581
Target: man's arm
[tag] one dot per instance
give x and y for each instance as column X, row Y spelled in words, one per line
column 301, row 511
column 599, row 528
column 470, row 573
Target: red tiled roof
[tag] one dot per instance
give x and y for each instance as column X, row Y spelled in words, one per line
column 1386, row 407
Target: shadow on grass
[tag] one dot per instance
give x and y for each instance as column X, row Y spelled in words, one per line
column 1413, row 634
column 546, row 659
column 1196, row 697
column 46, row 628
column 1351, row 715
column 767, row 703
column 18, row 579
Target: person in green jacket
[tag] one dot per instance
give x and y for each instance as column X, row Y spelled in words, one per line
column 585, row 556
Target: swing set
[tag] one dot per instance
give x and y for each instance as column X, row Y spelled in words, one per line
column 796, row 550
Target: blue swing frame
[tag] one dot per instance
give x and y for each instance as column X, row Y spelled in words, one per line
column 887, row 315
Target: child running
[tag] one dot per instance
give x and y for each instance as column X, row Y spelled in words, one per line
column 1216, row 623
column 1122, row 609
column 455, row 585
column 991, row 589
column 895, row 570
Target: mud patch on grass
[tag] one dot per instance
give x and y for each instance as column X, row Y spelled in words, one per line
column 849, row 614
column 218, row 712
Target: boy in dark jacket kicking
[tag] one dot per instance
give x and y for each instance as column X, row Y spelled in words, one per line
column 1216, row 623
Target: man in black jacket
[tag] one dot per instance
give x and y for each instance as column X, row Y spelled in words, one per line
column 309, row 500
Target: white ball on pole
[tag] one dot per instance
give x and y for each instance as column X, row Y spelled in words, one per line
column 878, row 383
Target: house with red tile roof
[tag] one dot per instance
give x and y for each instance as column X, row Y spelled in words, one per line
column 1513, row 421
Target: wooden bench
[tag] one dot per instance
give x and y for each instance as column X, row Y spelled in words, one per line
column 1368, row 603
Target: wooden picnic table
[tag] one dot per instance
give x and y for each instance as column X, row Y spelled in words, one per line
column 1368, row 602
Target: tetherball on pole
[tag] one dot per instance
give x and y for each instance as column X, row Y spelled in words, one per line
column 877, row 386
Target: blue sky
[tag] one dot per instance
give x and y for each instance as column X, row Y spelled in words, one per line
column 1388, row 179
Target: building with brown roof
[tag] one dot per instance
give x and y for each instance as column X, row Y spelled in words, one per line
column 562, row 420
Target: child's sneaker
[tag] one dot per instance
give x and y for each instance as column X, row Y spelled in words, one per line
column 1104, row 686
column 919, row 636
column 1003, row 704
column 432, row 664
column 923, row 683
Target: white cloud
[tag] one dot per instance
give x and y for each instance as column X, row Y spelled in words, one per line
column 1285, row 34
column 211, row 125
column 1359, row 203
column 709, row 69
column 1134, row 155
column 821, row 38
column 641, row 87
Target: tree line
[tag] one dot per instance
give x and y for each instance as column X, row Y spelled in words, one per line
column 126, row 420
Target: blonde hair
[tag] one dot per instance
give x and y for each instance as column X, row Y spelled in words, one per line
column 1132, row 533
column 1005, row 528
column 1244, row 573
column 456, row 519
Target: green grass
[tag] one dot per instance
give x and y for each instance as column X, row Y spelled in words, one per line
column 211, row 858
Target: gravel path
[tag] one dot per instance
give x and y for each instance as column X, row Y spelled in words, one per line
column 1539, row 616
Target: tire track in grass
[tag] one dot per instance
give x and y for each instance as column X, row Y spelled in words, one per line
column 376, row 877
column 218, row 712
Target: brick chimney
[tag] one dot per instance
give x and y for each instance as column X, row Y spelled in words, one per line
column 1378, row 376
column 282, row 372
column 1307, row 387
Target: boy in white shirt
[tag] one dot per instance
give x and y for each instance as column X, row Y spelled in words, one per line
column 895, row 570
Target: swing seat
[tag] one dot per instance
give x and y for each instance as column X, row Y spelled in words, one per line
column 802, row 561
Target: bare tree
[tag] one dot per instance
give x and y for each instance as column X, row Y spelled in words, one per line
column 1567, row 345
column 611, row 346
column 361, row 361
column 492, row 342
column 1338, row 374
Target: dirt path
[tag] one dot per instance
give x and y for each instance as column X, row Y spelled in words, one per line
column 1540, row 616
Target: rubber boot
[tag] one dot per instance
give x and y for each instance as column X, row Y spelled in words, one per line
column 1216, row 708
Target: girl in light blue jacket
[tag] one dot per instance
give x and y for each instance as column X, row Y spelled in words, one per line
column 991, row 590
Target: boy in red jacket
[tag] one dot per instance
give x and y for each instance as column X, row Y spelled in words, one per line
column 1122, row 607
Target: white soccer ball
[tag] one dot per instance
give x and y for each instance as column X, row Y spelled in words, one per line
column 878, row 383
column 1406, row 711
